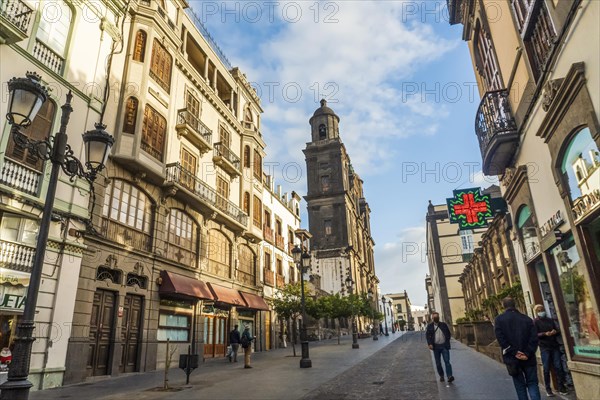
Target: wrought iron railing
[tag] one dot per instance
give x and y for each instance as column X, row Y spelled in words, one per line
column 186, row 117
column 20, row 177
column 222, row 150
column 494, row 118
column 16, row 256
column 125, row 235
column 17, row 12
column 177, row 174
column 48, row 57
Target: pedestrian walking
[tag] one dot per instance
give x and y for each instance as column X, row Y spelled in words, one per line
column 548, row 333
column 438, row 340
column 518, row 339
column 246, row 341
column 234, row 341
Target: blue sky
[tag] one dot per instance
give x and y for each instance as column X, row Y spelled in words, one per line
column 401, row 80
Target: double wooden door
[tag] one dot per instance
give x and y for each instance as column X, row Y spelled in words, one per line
column 101, row 332
column 215, row 336
column 131, row 333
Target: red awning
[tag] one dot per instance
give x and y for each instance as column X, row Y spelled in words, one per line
column 227, row 295
column 183, row 286
column 254, row 301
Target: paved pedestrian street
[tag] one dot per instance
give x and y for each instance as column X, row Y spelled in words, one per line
column 394, row 367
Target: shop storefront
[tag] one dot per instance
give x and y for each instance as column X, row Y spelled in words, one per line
column 13, row 292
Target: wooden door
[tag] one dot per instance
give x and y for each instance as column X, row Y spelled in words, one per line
column 131, row 333
column 101, row 332
column 215, row 336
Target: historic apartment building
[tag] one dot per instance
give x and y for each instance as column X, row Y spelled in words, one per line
column 538, row 73
column 44, row 37
column 449, row 250
column 185, row 226
column 402, row 310
column 338, row 213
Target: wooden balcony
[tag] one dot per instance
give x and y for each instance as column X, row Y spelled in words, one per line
column 20, row 177
column 280, row 281
column 279, row 242
column 194, row 130
column 226, row 159
column 125, row 235
column 496, row 131
column 193, row 190
column 15, row 17
column 269, row 277
column 269, row 234
column 16, row 256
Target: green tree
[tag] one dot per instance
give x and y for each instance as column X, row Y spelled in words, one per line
column 287, row 304
column 335, row 307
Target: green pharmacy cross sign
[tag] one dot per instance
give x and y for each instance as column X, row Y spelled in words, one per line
column 469, row 208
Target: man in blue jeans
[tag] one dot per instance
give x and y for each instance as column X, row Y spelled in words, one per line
column 518, row 339
column 438, row 340
column 548, row 333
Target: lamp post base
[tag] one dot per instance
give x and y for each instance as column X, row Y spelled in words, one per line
column 355, row 340
column 15, row 390
column 305, row 362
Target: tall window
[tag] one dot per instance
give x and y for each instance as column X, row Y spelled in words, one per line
column 278, row 227
column 16, row 229
column 54, row 27
column 279, row 265
column 188, row 164
column 527, row 232
column 219, row 253
column 127, row 205
column 224, row 136
column 39, row 129
column 181, row 239
column 267, row 219
column 139, row 48
column 327, row 227
column 325, row 186
column 257, row 212
column 154, row 129
column 131, row 109
column 257, row 164
column 161, row 64
column 246, row 270
column 192, row 104
column 246, row 156
column 246, row 203
column 222, row 193
column 485, row 59
column 322, row 132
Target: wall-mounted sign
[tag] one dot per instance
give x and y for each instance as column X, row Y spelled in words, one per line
column 554, row 222
column 469, row 208
column 12, row 298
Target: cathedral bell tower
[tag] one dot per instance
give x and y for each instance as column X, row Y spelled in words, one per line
column 324, row 123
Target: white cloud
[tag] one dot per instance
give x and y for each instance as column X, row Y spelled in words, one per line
column 402, row 264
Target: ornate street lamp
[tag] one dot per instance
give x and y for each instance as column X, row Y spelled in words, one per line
column 302, row 260
column 392, row 317
column 26, row 97
column 385, row 314
column 350, row 285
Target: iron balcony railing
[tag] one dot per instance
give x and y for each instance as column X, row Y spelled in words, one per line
column 17, row 12
column 48, row 57
column 177, row 174
column 222, row 150
column 494, row 118
column 186, row 117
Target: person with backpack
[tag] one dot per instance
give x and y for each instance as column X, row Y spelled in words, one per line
column 246, row 342
column 234, row 341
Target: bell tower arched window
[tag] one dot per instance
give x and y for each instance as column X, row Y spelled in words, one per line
column 322, row 132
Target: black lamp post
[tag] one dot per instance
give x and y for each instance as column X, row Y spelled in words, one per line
column 375, row 329
column 392, row 317
column 27, row 96
column 350, row 285
column 302, row 260
column 385, row 314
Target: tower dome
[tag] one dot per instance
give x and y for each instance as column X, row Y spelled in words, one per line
column 324, row 123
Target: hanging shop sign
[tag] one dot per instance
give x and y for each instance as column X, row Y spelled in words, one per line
column 553, row 223
column 12, row 298
column 469, row 208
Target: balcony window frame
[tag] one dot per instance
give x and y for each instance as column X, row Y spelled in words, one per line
column 132, row 105
column 63, row 50
column 257, row 212
column 161, row 65
column 139, row 46
column 184, row 224
column 143, row 209
column 486, row 59
column 154, row 133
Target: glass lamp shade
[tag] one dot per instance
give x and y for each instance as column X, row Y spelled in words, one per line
column 97, row 144
column 297, row 254
column 349, row 282
column 305, row 260
column 26, row 96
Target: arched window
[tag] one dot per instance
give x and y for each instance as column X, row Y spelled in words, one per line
column 139, row 49
column 322, row 132
column 182, row 243
column 40, row 129
column 246, row 156
column 154, row 129
column 131, row 109
column 219, row 254
column 127, row 215
column 527, row 232
column 246, row 265
column 248, row 115
column 246, row 203
column 160, row 65
column 581, row 168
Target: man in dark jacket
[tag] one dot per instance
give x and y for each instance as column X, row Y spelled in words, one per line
column 548, row 333
column 438, row 340
column 518, row 339
column 234, row 341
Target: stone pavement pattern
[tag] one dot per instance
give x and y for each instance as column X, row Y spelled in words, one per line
column 392, row 368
